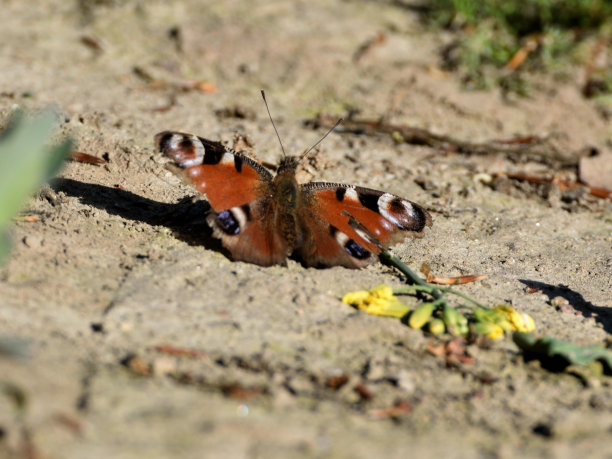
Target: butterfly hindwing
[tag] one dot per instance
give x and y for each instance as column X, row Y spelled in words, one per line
column 325, row 245
column 385, row 218
column 227, row 177
column 250, row 234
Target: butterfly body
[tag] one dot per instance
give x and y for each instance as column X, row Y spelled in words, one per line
column 263, row 219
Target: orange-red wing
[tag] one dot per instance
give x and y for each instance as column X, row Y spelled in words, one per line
column 253, row 237
column 228, row 178
column 386, row 218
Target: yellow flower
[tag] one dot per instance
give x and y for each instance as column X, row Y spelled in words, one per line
column 383, row 292
column 379, row 301
column 356, row 298
column 518, row 321
column 526, row 323
column 489, row 329
column 394, row 308
column 496, row 333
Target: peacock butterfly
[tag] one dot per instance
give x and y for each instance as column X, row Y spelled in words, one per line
column 263, row 218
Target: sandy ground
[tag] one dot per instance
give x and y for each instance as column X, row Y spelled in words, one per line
column 117, row 267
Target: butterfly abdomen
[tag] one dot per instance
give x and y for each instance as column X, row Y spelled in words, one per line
column 287, row 199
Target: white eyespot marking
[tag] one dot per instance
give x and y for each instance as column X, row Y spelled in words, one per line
column 240, row 216
column 351, row 193
column 227, row 159
column 365, row 236
column 350, row 246
column 190, row 162
column 174, row 142
column 199, row 148
column 178, row 142
column 388, row 208
column 341, row 238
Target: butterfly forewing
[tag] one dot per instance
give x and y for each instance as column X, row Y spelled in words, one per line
column 228, row 178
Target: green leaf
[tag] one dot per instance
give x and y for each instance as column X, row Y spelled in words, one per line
column 15, row 393
column 5, row 245
column 557, row 354
column 26, row 162
column 14, row 347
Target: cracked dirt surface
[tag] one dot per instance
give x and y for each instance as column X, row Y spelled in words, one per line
column 118, row 270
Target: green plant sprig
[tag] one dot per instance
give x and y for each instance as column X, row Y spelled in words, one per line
column 437, row 292
column 438, row 315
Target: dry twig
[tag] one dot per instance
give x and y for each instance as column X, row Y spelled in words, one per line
column 431, row 278
column 532, row 146
column 561, row 183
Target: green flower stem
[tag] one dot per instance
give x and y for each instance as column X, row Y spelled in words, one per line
column 419, row 284
column 390, row 260
column 439, row 301
column 464, row 296
column 428, row 288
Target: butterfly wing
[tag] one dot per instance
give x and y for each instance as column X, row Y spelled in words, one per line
column 227, row 177
column 250, row 233
column 329, row 239
column 238, row 190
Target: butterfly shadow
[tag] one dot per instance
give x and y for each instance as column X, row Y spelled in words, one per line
column 186, row 219
column 577, row 302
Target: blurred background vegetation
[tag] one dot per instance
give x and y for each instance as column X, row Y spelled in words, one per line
column 500, row 42
column 27, row 160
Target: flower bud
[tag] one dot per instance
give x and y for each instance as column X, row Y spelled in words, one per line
column 436, row 327
column 421, row 315
column 451, row 318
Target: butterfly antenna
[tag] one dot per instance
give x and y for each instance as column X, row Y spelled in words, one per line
column 263, row 94
column 322, row 138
